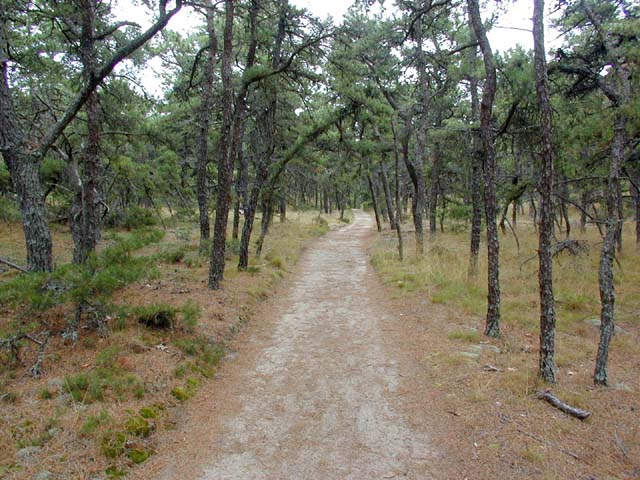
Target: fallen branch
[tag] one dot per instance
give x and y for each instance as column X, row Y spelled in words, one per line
column 13, row 265
column 574, row 247
column 560, row 405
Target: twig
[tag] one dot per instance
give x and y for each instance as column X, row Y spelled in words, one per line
column 13, row 265
column 621, row 446
column 545, row 442
column 560, row 405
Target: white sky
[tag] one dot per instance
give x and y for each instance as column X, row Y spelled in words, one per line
column 513, row 27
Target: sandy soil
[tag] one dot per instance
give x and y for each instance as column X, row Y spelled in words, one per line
column 316, row 388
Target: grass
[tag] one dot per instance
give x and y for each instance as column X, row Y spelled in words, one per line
column 442, row 275
column 166, row 332
column 499, row 405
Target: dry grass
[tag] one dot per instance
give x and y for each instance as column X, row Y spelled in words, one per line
column 96, row 408
column 501, row 430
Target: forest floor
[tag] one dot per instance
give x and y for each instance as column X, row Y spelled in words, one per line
column 356, row 366
column 102, row 401
column 486, row 389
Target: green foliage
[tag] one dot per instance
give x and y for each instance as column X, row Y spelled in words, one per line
column 138, row 426
column 8, row 210
column 113, row 444
column 157, row 315
column 132, row 218
column 138, row 455
column 187, row 391
column 106, row 379
column 91, row 283
column 93, row 422
column 190, row 315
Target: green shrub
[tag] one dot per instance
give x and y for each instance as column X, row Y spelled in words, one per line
column 113, row 444
column 190, row 315
column 172, row 255
column 9, row 210
column 92, row 422
column 138, row 455
column 157, row 315
column 93, row 386
column 132, row 218
column 138, row 426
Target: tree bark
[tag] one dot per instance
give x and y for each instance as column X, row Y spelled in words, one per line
column 85, row 215
column 23, row 168
column 225, row 160
column 547, row 366
column 619, row 94
column 384, row 179
column 374, row 201
column 492, row 328
column 476, row 173
column 635, row 194
column 204, row 119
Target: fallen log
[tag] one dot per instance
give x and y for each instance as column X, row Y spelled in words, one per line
column 564, row 407
column 13, row 265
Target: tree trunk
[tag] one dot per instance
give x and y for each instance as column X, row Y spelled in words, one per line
column 85, row 215
column 241, row 186
column 476, row 177
column 608, row 253
column 493, row 246
column 23, row 169
column 204, row 116
column 387, row 192
column 433, row 193
column 267, row 212
column 225, row 160
column 635, row 194
column 547, row 366
column 374, row 201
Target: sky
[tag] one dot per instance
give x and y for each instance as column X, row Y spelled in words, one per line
column 512, row 29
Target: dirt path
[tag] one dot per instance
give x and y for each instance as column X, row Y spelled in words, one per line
column 315, row 390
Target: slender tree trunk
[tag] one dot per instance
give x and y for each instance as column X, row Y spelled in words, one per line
column 204, row 116
column 387, row 193
column 398, row 223
column 433, row 193
column 225, row 160
column 283, row 208
column 421, row 136
column 547, row 366
column 476, row 178
column 608, row 253
column 620, row 96
column 493, row 246
column 635, row 194
column 249, row 215
column 374, row 200
column 241, row 187
column 85, row 216
column 267, row 212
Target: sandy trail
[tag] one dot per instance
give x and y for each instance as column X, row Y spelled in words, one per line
column 314, row 391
